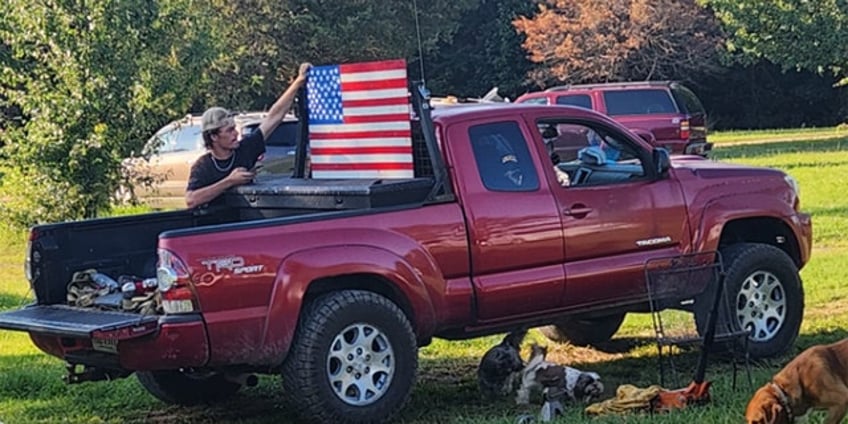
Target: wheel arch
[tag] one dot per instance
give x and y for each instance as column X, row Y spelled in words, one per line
column 764, row 230
column 308, row 274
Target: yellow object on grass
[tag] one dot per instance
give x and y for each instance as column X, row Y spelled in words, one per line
column 628, row 398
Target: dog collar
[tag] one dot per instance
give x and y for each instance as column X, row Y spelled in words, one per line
column 784, row 401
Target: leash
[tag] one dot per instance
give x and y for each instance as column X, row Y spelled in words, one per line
column 784, row 401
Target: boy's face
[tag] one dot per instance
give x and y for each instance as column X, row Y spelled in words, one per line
column 227, row 138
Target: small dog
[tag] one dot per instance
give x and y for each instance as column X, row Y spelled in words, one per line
column 577, row 385
column 815, row 379
column 501, row 366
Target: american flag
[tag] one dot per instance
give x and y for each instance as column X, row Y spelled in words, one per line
column 359, row 120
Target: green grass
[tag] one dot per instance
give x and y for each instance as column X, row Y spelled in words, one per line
column 31, row 390
column 755, row 136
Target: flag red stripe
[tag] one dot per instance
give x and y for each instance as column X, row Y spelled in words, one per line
column 391, row 101
column 381, row 84
column 360, row 150
column 360, row 166
column 360, row 134
column 373, row 66
column 403, row 117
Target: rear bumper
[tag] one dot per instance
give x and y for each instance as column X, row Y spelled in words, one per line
column 113, row 339
column 685, row 147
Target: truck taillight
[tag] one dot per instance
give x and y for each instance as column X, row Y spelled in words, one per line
column 684, row 129
column 174, row 283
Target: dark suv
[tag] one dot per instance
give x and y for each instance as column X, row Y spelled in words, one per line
column 665, row 112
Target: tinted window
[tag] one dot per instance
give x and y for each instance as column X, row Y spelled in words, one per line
column 502, row 157
column 580, row 100
column 688, row 99
column 284, row 135
column 638, row 102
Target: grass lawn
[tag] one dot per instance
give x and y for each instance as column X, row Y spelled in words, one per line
column 31, row 389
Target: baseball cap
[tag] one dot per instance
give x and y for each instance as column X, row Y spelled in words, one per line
column 216, row 117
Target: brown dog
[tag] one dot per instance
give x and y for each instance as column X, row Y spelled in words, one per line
column 815, row 379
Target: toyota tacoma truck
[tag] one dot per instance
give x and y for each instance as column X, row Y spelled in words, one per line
column 335, row 284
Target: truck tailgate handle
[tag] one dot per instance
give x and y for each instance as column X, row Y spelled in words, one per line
column 577, row 211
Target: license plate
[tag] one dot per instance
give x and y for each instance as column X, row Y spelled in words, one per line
column 105, row 345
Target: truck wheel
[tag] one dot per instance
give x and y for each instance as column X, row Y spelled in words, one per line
column 764, row 289
column 187, row 388
column 583, row 332
column 354, row 359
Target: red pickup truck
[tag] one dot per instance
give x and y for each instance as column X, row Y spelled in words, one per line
column 334, row 284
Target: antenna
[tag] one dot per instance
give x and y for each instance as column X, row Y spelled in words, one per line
column 418, row 34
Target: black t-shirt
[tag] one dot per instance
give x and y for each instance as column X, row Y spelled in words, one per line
column 207, row 170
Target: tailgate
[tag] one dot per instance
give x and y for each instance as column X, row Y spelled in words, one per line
column 67, row 321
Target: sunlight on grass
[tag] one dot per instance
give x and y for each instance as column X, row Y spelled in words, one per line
column 31, row 390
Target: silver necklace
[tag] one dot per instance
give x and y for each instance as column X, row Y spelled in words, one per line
column 223, row 168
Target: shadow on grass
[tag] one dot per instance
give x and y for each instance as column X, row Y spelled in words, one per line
column 13, row 301
column 778, row 147
column 446, row 391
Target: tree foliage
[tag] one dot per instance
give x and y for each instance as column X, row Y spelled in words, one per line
column 577, row 41
column 486, row 52
column 267, row 39
column 90, row 81
column 799, row 34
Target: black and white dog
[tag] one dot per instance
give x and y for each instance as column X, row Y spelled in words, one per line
column 501, row 366
column 540, row 374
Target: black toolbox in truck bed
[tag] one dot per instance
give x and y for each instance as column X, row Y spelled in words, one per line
column 314, row 194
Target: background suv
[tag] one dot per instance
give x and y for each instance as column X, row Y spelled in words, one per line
column 671, row 113
column 168, row 156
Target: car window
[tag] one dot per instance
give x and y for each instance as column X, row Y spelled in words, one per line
column 688, row 99
column 178, row 138
column 638, row 102
column 285, row 135
column 536, row 101
column 580, row 100
column 590, row 155
column 503, row 158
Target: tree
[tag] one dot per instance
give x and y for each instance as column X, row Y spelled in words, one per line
column 799, row 34
column 576, row 41
column 485, row 52
column 267, row 39
column 90, row 81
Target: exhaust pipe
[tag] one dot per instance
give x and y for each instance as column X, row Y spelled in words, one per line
column 245, row 379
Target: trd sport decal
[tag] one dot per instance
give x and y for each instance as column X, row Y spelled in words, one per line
column 234, row 264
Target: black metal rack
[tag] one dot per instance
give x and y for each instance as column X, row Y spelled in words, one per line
column 677, row 286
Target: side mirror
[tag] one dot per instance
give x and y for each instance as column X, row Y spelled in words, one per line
column 646, row 135
column 662, row 161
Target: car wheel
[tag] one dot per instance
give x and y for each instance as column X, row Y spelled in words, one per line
column 184, row 388
column 765, row 297
column 354, row 359
column 583, row 332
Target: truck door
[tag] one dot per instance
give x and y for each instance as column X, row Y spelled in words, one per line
column 515, row 231
column 614, row 215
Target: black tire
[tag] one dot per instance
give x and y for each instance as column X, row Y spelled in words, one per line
column 330, row 386
column 765, row 297
column 187, row 389
column 583, row 332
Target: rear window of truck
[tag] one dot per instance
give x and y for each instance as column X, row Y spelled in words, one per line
column 502, row 157
column 638, row 102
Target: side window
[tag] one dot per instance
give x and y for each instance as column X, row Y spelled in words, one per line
column 638, row 102
column 579, row 100
column 590, row 155
column 286, row 134
column 536, row 101
column 502, row 157
column 689, row 100
column 188, row 138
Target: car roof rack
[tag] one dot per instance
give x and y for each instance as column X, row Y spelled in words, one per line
column 610, row 85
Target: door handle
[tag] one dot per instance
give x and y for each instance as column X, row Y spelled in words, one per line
column 577, row 211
